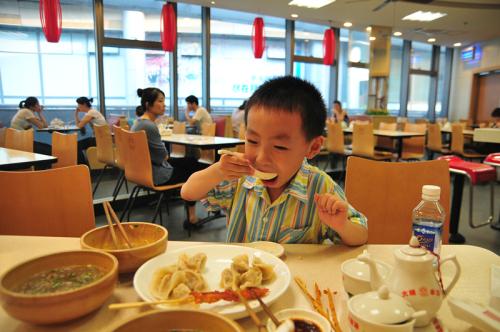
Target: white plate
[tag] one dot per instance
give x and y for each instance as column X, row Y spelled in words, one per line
column 219, row 257
column 273, row 248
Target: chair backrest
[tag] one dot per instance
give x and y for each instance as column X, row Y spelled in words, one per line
column 220, row 126
column 414, row 145
column 120, row 154
column 94, row 164
column 379, row 119
column 434, row 140
column 386, row 142
column 228, row 128
column 177, row 150
column 387, row 125
column 457, row 138
column 387, row 193
column 19, row 139
column 124, row 123
column 139, row 168
column 242, row 136
column 65, row 148
column 421, row 120
column 335, row 138
column 2, row 137
column 104, row 144
column 53, row 202
column 207, row 156
column 363, row 141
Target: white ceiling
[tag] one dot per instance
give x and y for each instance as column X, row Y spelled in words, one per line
column 459, row 25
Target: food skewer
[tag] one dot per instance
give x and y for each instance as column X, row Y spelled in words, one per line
column 252, row 314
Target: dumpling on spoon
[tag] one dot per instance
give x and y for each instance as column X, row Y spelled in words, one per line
column 257, row 173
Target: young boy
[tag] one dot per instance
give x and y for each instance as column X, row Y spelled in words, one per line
column 285, row 118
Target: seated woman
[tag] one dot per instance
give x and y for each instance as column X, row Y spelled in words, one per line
column 92, row 117
column 339, row 114
column 165, row 172
column 29, row 115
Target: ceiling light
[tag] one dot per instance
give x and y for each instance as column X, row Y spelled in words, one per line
column 212, row 2
column 294, row 15
column 431, row 40
column 372, row 38
column 310, row 3
column 348, row 24
column 369, row 29
column 397, row 33
column 423, row 16
column 457, row 44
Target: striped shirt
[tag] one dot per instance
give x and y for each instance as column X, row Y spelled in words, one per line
column 291, row 218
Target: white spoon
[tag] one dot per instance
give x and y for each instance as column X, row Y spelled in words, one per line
column 257, row 173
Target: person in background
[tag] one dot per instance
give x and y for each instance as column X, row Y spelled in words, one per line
column 284, row 120
column 92, row 117
column 30, row 114
column 175, row 170
column 200, row 116
column 339, row 114
column 237, row 118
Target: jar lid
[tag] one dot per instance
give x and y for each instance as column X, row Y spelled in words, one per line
column 382, row 307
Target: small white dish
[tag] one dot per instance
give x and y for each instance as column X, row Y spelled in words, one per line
column 356, row 275
column 300, row 314
column 273, row 248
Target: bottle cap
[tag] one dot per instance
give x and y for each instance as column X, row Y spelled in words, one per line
column 431, row 193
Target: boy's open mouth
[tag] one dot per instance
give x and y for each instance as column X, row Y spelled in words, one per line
column 265, row 176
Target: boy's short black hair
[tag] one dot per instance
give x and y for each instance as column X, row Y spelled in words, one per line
column 294, row 95
column 192, row 99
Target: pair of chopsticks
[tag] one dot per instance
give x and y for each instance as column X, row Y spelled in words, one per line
column 112, row 217
column 130, row 305
column 254, row 316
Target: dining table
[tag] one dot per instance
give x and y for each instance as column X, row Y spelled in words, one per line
column 11, row 159
column 61, row 129
column 314, row 263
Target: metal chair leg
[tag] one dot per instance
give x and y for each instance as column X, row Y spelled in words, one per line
column 118, row 185
column 128, row 203
column 158, row 208
column 99, row 178
column 132, row 202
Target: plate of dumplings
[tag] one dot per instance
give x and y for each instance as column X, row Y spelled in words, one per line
column 207, row 268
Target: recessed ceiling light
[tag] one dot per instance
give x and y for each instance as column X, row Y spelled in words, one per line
column 310, row 3
column 372, row 38
column 294, row 15
column 348, row 24
column 457, row 44
column 397, row 33
column 431, row 40
column 212, row 2
column 369, row 29
column 423, row 16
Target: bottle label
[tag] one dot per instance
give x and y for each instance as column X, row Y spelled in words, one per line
column 428, row 236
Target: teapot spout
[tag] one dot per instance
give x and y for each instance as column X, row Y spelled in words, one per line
column 376, row 279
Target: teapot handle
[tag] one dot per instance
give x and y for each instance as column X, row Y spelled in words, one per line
column 458, row 270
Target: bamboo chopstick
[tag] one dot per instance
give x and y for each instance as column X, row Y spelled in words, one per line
column 130, row 305
column 252, row 314
column 119, row 224
column 268, row 311
column 110, row 224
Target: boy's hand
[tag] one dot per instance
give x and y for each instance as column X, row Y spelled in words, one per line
column 332, row 210
column 234, row 166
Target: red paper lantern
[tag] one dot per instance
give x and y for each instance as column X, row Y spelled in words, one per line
column 51, row 18
column 168, row 28
column 329, row 47
column 258, row 41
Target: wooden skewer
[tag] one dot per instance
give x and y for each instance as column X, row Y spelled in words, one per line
column 110, row 224
column 252, row 314
column 130, row 305
column 331, row 304
column 119, row 224
column 268, row 311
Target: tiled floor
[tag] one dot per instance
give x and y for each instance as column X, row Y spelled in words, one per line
column 216, row 232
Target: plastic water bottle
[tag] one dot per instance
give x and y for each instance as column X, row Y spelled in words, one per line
column 428, row 218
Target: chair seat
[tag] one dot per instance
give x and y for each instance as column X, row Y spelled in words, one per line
column 477, row 172
column 472, row 154
column 410, row 155
column 167, row 187
column 378, row 155
column 493, row 159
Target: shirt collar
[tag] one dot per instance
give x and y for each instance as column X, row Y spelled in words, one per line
column 297, row 187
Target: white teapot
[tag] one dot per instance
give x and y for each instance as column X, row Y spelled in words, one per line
column 414, row 278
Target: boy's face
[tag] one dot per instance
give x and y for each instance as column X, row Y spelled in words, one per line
column 276, row 143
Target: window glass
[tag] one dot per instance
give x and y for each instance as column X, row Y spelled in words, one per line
column 126, row 70
column 359, row 46
column 395, row 76
column 418, row 98
column 136, row 20
column 234, row 71
column 421, row 56
column 441, row 73
column 317, row 74
column 309, row 39
column 189, row 53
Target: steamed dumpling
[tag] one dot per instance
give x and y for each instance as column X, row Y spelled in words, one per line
column 195, row 281
column 161, row 277
column 180, row 291
column 240, row 263
column 195, row 263
column 230, row 279
column 251, row 278
column 266, row 269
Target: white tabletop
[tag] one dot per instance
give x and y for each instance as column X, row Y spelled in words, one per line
column 201, row 141
column 15, row 159
column 390, row 133
column 313, row 263
column 487, row 135
column 60, row 128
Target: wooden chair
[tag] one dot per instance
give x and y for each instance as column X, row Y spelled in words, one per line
column 19, row 139
column 386, row 143
column 139, row 170
column 335, row 143
column 207, row 156
column 228, row 127
column 387, row 193
column 177, row 150
column 363, row 143
column 94, row 164
column 105, row 150
column 124, row 123
column 414, row 147
column 2, row 137
column 435, row 141
column 120, row 160
column 241, row 136
column 65, row 148
column 457, row 143
column 53, row 202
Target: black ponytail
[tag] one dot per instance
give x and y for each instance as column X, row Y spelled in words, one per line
column 85, row 101
column 29, row 102
column 139, row 111
column 148, row 97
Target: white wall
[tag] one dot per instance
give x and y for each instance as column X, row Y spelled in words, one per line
column 461, row 79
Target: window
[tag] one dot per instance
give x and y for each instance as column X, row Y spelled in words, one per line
column 418, row 100
column 359, row 46
column 234, row 72
column 317, row 74
column 393, row 104
column 440, row 87
column 421, row 56
column 309, row 39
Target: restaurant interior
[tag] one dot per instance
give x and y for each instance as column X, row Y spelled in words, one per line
column 412, row 96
